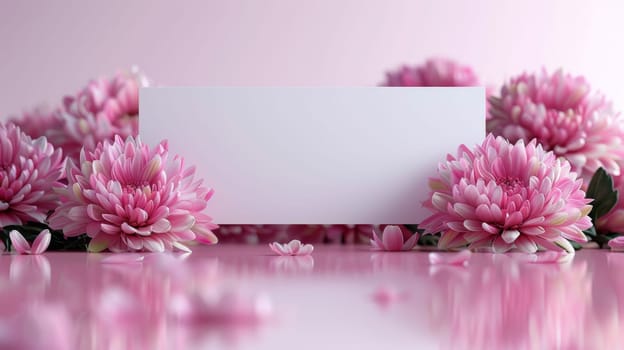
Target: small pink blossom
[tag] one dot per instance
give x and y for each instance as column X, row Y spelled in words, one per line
column 393, row 238
column 617, row 244
column 507, row 196
column 294, row 247
column 434, row 72
column 459, row 259
column 127, row 196
column 30, row 171
column 21, row 245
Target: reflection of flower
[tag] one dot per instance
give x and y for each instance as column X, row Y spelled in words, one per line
column 386, row 295
column 126, row 196
column 394, row 238
column 295, row 264
column 36, row 326
column 222, row 308
column 564, row 116
column 504, row 196
column 458, row 259
column 547, row 257
column 163, row 302
column 294, row 247
column 29, row 173
column 32, row 270
column 98, row 112
column 21, row 245
column 537, row 306
column 434, row 72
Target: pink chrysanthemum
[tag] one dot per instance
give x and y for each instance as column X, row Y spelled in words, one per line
column 564, row 116
column 435, row 72
column 505, row 196
column 30, row 170
column 129, row 197
column 104, row 108
column 41, row 121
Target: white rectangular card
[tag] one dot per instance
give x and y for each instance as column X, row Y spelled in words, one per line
column 314, row 155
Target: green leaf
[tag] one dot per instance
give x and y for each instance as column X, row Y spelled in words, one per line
column 602, row 192
column 591, row 232
column 429, row 240
column 414, row 228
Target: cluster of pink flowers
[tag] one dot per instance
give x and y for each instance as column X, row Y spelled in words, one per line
column 123, row 194
column 515, row 191
column 565, row 116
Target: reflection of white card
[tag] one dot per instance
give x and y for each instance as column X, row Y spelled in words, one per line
column 314, row 155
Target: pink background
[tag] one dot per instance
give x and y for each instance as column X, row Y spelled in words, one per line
column 49, row 48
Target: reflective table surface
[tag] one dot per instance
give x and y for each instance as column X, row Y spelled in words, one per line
column 245, row 297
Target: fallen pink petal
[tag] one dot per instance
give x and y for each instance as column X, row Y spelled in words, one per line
column 292, row 248
column 21, row 245
column 458, row 259
column 393, row 239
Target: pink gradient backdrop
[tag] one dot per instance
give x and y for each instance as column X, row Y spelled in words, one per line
column 49, row 48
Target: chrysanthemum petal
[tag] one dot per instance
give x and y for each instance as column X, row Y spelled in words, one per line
column 392, row 238
column 42, row 242
column 526, row 244
column 411, row 242
column 19, row 243
column 510, row 236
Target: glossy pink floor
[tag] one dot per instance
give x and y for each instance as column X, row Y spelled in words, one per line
column 244, row 297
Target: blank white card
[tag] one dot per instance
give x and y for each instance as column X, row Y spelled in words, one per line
column 314, row 155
